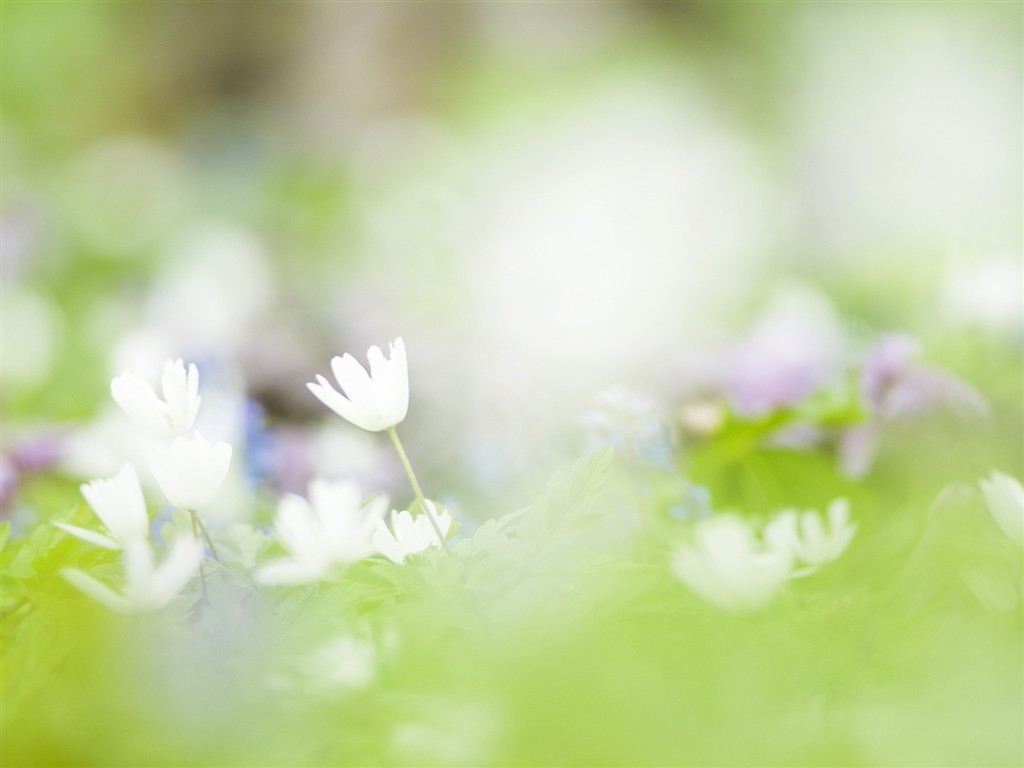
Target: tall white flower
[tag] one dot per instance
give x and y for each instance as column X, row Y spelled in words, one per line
column 330, row 529
column 373, row 401
column 120, row 506
column 407, row 535
column 727, row 565
column 191, row 470
column 807, row 538
column 175, row 413
column 148, row 587
column 1004, row 497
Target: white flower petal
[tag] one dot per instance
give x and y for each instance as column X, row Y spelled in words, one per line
column 181, row 393
column 408, row 535
column 191, row 470
column 101, row 593
column 119, row 504
column 330, row 529
column 728, row 566
column 91, row 536
column 374, row 400
column 298, row 528
column 137, row 399
column 385, row 542
column 177, row 570
column 175, row 413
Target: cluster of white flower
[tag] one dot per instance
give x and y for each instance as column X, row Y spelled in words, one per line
column 334, row 527
column 726, row 561
column 189, row 471
column 727, row 564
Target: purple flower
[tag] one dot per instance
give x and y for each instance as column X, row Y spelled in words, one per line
column 894, row 386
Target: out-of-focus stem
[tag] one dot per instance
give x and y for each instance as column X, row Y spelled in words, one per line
column 202, row 571
column 416, row 488
column 206, row 535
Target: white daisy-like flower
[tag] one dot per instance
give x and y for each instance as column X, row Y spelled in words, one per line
column 332, row 528
column 408, row 535
column 148, row 586
column 163, row 418
column 191, row 470
column 729, row 566
column 373, row 401
column 120, row 506
column 806, row 536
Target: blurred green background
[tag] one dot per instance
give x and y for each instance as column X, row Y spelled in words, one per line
column 722, row 205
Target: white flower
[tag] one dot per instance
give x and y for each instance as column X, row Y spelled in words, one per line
column 373, row 401
column 1005, row 499
column 191, row 471
column 727, row 565
column 408, row 536
column 163, row 418
column 805, row 536
column 148, row 587
column 328, row 530
column 119, row 505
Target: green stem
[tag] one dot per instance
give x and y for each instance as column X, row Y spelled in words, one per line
column 416, row 487
column 206, row 535
column 202, row 571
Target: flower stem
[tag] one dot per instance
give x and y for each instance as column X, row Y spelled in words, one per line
column 416, row 487
column 206, row 535
column 195, row 535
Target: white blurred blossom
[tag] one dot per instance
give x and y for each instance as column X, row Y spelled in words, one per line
column 728, row 565
column 221, row 273
column 190, row 471
column 148, row 586
column 332, row 528
column 167, row 417
column 373, row 401
column 987, row 292
column 120, row 506
column 408, row 535
column 807, row 537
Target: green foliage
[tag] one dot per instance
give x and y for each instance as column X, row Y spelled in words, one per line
column 552, row 634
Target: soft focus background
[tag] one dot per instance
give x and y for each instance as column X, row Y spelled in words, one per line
column 702, row 206
column 544, row 199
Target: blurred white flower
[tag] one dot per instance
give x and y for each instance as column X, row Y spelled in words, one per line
column 148, row 587
column 120, row 506
column 330, row 529
column 1004, row 497
column 191, row 470
column 407, row 535
column 163, row 418
column 221, row 272
column 986, row 292
column 805, row 536
column 727, row 565
column 373, row 401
